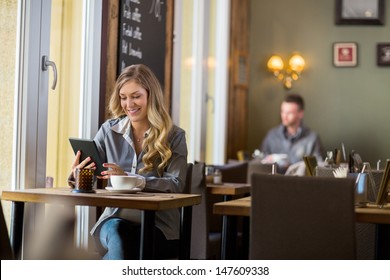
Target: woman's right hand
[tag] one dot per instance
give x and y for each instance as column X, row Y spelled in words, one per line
column 84, row 164
column 112, row 169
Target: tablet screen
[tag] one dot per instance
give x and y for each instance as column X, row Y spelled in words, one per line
column 88, row 149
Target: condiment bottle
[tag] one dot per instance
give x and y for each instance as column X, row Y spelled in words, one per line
column 217, row 176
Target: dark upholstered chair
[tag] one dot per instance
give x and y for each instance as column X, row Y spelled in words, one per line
column 5, row 245
column 187, row 187
column 366, row 233
column 205, row 243
column 255, row 166
column 232, row 172
column 184, row 244
column 302, row 218
column 235, row 172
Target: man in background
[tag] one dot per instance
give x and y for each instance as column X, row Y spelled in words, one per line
column 287, row 143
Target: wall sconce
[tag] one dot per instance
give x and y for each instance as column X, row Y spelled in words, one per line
column 291, row 73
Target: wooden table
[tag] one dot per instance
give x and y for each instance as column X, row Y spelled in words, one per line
column 242, row 207
column 228, row 191
column 236, row 207
column 149, row 203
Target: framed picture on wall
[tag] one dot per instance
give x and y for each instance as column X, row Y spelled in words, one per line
column 241, row 71
column 383, row 54
column 345, row 54
column 360, row 12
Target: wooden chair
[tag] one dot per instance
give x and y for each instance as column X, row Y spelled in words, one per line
column 5, row 245
column 302, row 218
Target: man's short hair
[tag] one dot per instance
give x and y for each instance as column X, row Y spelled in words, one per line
column 295, row 98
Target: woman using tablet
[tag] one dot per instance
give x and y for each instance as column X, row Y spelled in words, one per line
column 141, row 139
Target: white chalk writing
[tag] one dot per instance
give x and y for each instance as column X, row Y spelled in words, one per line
column 124, row 46
column 126, row 10
column 127, row 30
column 136, row 16
column 155, row 9
column 135, row 53
column 137, row 34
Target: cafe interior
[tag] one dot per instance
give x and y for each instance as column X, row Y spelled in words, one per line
column 225, row 67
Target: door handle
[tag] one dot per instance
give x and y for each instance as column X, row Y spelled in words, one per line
column 45, row 64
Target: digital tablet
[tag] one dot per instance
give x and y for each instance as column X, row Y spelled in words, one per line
column 88, row 149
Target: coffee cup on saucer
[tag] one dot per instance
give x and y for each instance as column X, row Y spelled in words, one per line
column 127, row 182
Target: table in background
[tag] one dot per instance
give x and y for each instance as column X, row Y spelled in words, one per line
column 228, row 191
column 242, row 207
column 148, row 203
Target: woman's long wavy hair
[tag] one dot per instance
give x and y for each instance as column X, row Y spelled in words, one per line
column 156, row 146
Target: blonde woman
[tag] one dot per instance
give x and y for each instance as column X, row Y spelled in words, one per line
column 140, row 138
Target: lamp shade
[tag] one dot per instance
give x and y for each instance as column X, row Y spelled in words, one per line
column 275, row 63
column 297, row 63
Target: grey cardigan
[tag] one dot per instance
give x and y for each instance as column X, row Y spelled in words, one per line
column 306, row 142
column 115, row 144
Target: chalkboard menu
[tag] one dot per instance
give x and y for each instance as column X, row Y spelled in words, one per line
column 142, row 35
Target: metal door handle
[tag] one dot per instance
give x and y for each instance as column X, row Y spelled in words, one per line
column 46, row 63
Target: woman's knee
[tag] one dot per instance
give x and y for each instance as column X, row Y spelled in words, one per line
column 119, row 231
column 114, row 226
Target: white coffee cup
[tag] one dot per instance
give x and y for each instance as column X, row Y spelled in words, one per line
column 127, row 182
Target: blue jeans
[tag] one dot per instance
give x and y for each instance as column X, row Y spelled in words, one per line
column 120, row 238
column 121, row 241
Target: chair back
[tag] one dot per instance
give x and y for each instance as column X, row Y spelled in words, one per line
column 5, row 245
column 204, row 244
column 302, row 218
column 365, row 233
column 235, row 172
column 255, row 166
column 187, row 187
column 185, row 227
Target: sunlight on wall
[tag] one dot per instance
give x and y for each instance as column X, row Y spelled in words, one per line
column 8, row 12
column 186, row 68
column 186, row 75
column 63, row 120
column 211, row 85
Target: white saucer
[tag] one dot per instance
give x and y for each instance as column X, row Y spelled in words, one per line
column 111, row 189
